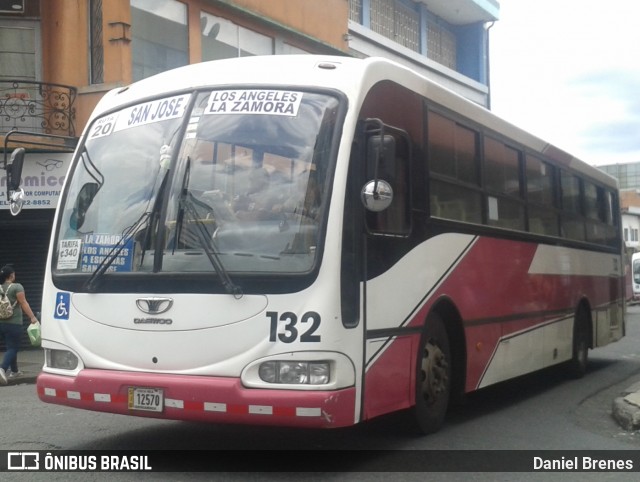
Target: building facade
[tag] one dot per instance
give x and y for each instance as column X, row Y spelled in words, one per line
column 628, row 175
column 59, row 57
column 630, row 206
column 447, row 40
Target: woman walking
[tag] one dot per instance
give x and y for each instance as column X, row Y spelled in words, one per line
column 11, row 328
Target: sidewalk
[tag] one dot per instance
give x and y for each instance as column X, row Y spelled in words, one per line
column 30, row 361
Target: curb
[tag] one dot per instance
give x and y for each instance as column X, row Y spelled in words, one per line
column 23, row 380
column 626, row 408
column 30, row 363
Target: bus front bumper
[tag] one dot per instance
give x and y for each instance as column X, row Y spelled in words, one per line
column 199, row 398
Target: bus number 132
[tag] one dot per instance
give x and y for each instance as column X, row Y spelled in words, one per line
column 290, row 325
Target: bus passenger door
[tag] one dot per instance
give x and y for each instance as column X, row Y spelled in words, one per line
column 386, row 196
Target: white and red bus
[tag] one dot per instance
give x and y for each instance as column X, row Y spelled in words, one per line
column 316, row 241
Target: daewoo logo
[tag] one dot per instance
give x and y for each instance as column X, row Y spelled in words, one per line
column 154, row 306
column 153, row 321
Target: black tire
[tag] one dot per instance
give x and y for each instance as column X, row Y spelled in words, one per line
column 577, row 366
column 433, row 377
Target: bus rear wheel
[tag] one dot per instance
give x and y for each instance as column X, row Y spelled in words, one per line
column 433, row 377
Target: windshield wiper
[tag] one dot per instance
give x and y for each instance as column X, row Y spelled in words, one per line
column 186, row 204
column 114, row 252
column 206, row 241
column 154, row 218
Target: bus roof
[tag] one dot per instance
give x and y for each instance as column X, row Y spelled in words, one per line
column 349, row 75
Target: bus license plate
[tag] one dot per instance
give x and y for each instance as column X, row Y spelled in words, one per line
column 149, row 399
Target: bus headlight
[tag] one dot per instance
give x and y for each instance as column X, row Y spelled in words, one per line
column 61, row 359
column 295, row 372
column 304, row 371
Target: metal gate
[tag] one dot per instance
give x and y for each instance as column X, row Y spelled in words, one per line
column 24, row 242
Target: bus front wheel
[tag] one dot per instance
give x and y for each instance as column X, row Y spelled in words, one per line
column 433, row 376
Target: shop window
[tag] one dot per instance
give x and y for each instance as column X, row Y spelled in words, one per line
column 288, row 49
column 355, row 10
column 223, row 39
column 160, row 37
column 396, row 21
column 441, row 43
column 20, row 60
column 19, row 50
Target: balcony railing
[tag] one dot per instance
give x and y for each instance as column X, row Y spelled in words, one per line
column 38, row 107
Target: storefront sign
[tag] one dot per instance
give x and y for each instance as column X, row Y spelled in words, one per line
column 42, row 179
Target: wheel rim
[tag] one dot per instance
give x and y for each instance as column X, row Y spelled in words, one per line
column 434, row 373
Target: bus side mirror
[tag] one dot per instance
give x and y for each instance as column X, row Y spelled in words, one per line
column 377, row 194
column 14, row 169
column 15, row 195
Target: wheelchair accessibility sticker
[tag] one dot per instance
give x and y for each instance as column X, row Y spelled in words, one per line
column 63, row 300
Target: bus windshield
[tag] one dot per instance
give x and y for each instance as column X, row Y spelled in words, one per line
column 225, row 181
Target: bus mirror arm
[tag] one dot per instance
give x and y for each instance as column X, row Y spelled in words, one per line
column 377, row 194
column 15, row 195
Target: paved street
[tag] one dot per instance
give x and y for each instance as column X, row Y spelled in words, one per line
column 625, row 395
column 544, row 411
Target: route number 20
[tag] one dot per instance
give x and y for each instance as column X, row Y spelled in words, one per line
column 291, row 329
